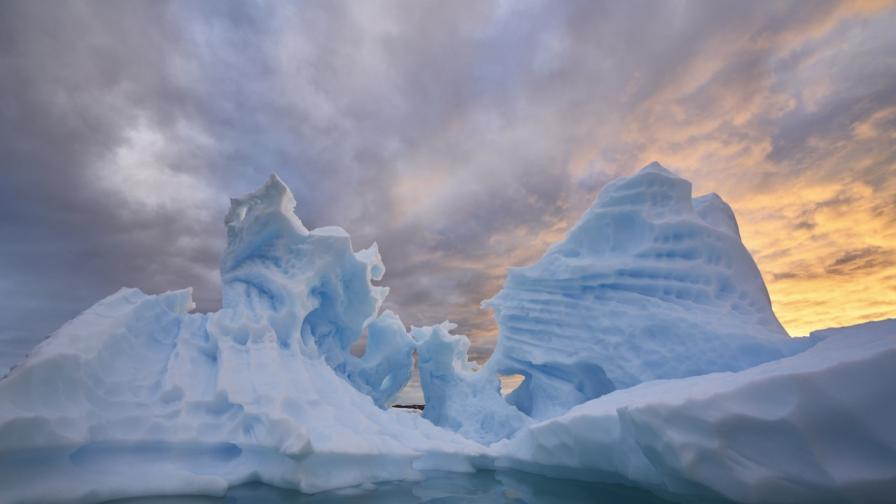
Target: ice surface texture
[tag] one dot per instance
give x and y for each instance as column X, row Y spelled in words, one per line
column 457, row 396
column 649, row 284
column 308, row 291
column 816, row 427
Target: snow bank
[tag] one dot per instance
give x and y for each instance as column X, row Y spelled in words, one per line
column 136, row 396
column 815, row 427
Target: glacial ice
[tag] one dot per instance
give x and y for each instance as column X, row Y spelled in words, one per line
column 649, row 284
column 458, row 397
column 137, row 396
column 620, row 331
column 385, row 368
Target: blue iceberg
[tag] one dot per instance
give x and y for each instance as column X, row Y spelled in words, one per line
column 649, row 352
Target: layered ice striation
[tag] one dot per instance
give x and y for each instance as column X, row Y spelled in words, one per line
column 137, row 396
column 650, row 283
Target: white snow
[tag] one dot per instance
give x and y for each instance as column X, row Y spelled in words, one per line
column 139, row 396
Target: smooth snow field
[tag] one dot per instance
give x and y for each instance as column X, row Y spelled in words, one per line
column 650, row 359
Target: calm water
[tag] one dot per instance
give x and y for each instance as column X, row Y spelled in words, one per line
column 441, row 488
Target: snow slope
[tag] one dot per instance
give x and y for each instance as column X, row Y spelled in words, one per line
column 649, row 284
column 136, row 396
column 816, row 427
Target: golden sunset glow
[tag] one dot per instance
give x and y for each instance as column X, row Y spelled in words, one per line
column 821, row 227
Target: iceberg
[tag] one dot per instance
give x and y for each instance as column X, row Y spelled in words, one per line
column 650, row 283
column 138, row 396
column 650, row 353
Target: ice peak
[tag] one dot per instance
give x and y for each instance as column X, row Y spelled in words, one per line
column 656, row 167
column 713, row 210
column 653, row 189
column 260, row 217
column 272, row 196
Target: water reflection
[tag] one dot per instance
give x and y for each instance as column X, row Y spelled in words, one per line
column 442, row 488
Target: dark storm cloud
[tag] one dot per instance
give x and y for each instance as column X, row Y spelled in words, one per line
column 463, row 137
column 72, row 78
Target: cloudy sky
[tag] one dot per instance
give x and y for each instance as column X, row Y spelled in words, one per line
column 463, row 137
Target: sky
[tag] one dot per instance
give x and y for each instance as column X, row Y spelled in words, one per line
column 462, row 137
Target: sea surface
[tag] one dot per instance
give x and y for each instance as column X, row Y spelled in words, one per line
column 437, row 487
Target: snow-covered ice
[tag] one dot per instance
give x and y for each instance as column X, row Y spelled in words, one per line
column 621, row 322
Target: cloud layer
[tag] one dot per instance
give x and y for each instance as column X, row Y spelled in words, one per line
column 462, row 137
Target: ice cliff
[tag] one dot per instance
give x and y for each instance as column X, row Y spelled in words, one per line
column 650, row 353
